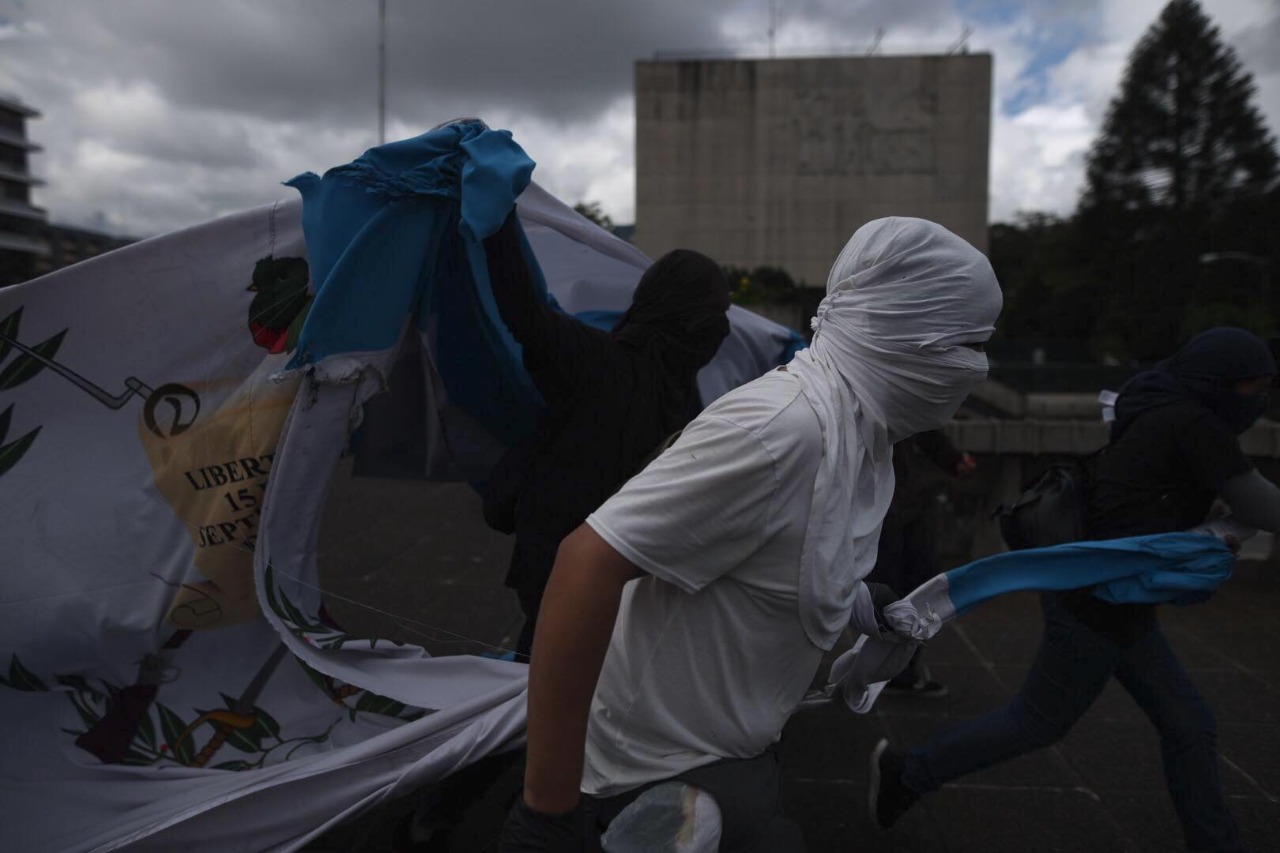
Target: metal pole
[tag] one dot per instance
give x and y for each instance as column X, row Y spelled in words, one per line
column 382, row 72
column 773, row 25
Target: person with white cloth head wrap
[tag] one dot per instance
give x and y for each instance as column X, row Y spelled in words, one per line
column 894, row 353
column 747, row 542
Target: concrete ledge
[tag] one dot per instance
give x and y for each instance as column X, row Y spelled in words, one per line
column 1003, row 399
column 1034, row 437
column 1027, row 437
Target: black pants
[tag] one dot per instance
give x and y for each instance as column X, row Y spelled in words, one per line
column 747, row 791
column 907, row 557
column 467, row 809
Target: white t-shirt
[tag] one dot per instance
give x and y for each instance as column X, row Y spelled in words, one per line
column 708, row 658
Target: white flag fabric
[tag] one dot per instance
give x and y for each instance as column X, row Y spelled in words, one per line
column 168, row 425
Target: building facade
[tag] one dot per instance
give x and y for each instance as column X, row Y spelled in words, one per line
column 30, row 245
column 775, row 162
column 21, row 223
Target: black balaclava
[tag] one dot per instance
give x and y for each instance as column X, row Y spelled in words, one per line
column 1203, row 371
column 678, row 311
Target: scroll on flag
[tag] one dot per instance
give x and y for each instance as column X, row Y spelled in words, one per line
column 170, row 415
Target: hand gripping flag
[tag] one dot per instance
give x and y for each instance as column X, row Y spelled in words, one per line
column 170, row 416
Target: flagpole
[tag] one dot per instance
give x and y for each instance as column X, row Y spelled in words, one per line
column 382, row 72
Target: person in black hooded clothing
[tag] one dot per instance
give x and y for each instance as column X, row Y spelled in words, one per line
column 1174, row 448
column 612, row 398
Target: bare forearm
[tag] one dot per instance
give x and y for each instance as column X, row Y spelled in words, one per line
column 574, row 626
column 1254, row 500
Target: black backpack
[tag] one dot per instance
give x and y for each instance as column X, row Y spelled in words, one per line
column 1053, row 507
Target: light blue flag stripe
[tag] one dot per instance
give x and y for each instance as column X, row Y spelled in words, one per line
column 1168, row 567
column 397, row 234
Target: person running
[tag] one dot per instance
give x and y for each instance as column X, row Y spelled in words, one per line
column 907, row 556
column 612, row 398
column 686, row 619
column 1174, row 447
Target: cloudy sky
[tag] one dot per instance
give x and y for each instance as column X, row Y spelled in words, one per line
column 163, row 113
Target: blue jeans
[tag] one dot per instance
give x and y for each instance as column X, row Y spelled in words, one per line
column 1070, row 670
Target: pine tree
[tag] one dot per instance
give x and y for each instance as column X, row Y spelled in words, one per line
column 1183, row 167
column 593, row 211
column 1046, row 295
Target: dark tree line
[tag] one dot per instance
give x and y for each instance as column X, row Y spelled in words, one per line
column 1176, row 229
column 593, row 211
column 762, row 284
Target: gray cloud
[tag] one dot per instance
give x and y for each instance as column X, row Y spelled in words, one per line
column 317, row 61
column 162, row 114
column 212, row 85
column 1259, row 47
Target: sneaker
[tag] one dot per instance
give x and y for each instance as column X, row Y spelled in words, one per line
column 888, row 797
column 925, row 688
column 916, row 681
column 411, row 836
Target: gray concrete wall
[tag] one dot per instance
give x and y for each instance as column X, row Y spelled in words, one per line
column 777, row 162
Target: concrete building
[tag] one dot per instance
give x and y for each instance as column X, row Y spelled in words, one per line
column 21, row 223
column 30, row 245
column 68, row 245
column 777, row 161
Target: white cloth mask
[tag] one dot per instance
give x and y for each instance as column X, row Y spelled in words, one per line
column 888, row 360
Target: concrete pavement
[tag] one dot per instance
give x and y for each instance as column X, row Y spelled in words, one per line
column 415, row 562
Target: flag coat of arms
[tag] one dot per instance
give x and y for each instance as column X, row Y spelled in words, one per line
column 170, row 416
